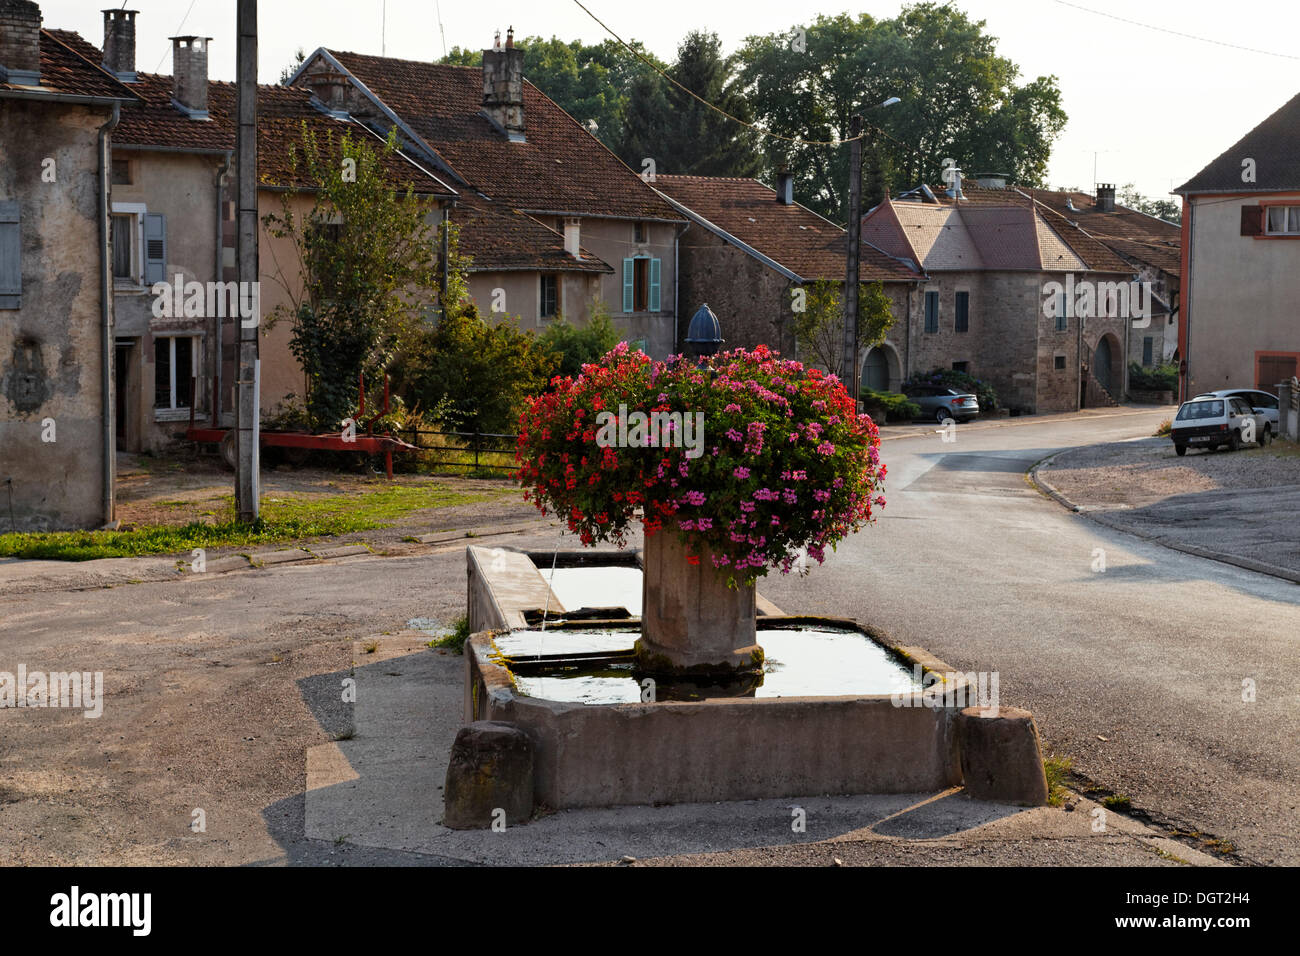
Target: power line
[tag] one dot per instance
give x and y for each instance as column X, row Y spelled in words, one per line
column 1177, row 33
column 177, row 33
column 735, row 119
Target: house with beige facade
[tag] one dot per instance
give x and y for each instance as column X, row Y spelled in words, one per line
column 57, row 114
column 1013, row 294
column 1241, row 262
column 750, row 248
column 505, row 146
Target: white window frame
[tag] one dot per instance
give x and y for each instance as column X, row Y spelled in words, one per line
column 559, row 298
column 180, row 412
column 138, row 210
column 1286, row 230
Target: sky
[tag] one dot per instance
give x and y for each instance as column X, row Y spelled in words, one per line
column 1147, row 107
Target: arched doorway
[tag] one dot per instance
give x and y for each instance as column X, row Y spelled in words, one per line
column 875, row 371
column 1103, row 364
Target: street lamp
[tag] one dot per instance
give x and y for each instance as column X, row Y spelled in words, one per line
column 852, row 371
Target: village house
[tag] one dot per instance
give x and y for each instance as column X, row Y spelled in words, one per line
column 1011, row 294
column 57, row 112
column 173, row 222
column 493, row 136
column 1151, row 246
column 749, row 248
column 1241, row 262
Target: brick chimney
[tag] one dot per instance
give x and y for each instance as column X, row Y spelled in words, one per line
column 785, row 186
column 190, row 76
column 119, row 44
column 20, row 42
column 1105, row 197
column 503, row 86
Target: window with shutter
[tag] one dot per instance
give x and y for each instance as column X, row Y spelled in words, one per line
column 11, row 256
column 155, row 248
column 629, row 283
column 963, row 312
column 123, row 232
column 654, row 285
column 932, row 312
column 1252, row 221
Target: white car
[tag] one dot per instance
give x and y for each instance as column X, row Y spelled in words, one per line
column 1261, row 402
column 1210, row 422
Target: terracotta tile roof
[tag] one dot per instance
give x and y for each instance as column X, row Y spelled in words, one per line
column 281, row 113
column 996, row 229
column 500, row 239
column 794, row 236
column 1274, row 145
column 67, row 71
column 1132, row 234
column 561, row 168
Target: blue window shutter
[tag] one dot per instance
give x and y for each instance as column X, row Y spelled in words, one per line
column 155, row 248
column 654, row 285
column 629, row 281
column 11, row 256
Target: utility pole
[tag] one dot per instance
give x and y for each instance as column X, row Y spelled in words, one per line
column 248, row 381
column 851, row 373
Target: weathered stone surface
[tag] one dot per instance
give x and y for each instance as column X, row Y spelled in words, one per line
column 1001, row 759
column 690, row 620
column 491, row 770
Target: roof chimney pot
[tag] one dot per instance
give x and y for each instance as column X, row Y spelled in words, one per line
column 190, row 76
column 119, row 43
column 20, row 42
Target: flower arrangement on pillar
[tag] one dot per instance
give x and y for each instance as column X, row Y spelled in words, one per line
column 749, row 464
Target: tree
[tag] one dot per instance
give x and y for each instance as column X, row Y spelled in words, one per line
column 959, row 100
column 365, row 272
column 590, row 82
column 1166, row 209
column 298, row 58
column 679, row 132
column 475, row 374
column 819, row 328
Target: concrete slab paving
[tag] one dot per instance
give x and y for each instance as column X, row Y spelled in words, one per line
column 382, row 789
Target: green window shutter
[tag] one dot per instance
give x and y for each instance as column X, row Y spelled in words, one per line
column 11, row 256
column 654, row 285
column 155, row 248
column 629, row 281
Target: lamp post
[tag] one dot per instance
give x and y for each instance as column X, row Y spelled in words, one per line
column 852, row 371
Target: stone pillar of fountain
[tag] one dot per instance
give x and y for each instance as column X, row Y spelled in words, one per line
column 692, row 624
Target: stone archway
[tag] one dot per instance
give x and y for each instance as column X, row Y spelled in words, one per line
column 881, row 370
column 1105, row 364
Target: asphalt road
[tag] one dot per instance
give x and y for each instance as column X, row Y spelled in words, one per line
column 213, row 697
column 1135, row 671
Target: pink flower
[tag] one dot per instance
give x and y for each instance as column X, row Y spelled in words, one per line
column 741, row 473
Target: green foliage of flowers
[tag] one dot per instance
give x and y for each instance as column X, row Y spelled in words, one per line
column 783, row 464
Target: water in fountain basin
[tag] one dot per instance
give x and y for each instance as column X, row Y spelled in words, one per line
column 597, row 586
column 801, row 662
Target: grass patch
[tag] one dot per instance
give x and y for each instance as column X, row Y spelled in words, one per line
column 1117, row 802
column 1057, row 770
column 455, row 640
column 1163, row 429
column 370, row 646
column 282, row 519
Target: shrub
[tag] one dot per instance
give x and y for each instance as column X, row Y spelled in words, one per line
column 783, row 464
column 1158, row 378
column 576, row 346
column 885, row 406
column 949, row 378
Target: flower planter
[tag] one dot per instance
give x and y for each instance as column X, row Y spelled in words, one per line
column 692, row 623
